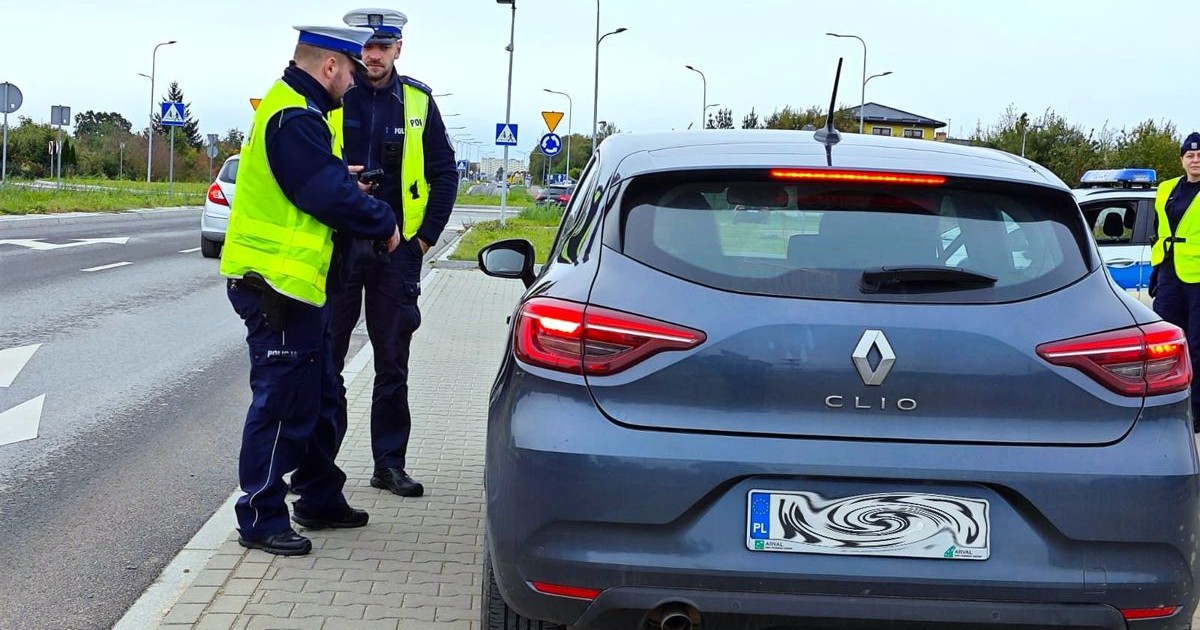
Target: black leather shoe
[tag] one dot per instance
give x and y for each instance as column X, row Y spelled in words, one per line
column 353, row 518
column 397, row 481
column 285, row 543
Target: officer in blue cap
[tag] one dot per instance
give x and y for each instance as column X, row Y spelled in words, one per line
column 294, row 190
column 392, row 123
column 1175, row 282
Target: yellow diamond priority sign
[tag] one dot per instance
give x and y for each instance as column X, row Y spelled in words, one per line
column 552, row 119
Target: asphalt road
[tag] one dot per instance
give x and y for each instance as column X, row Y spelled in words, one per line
column 142, row 379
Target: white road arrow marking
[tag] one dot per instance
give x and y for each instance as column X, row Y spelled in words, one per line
column 13, row 360
column 37, row 244
column 21, row 422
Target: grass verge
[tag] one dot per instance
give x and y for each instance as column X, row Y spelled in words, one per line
column 18, row 199
column 536, row 225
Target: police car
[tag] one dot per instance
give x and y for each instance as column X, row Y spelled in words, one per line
column 1118, row 206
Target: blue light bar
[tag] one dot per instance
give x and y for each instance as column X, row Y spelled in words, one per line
column 1123, row 177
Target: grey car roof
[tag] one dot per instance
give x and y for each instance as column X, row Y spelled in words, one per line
column 764, row 148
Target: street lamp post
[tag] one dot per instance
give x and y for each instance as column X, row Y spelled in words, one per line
column 570, row 117
column 512, row 33
column 703, row 95
column 150, row 129
column 863, row 95
column 596, row 86
column 121, row 162
column 708, row 107
column 881, row 74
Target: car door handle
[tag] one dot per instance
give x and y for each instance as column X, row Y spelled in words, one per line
column 1120, row 262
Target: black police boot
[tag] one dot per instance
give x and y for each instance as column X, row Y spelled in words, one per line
column 285, row 543
column 352, row 518
column 397, row 481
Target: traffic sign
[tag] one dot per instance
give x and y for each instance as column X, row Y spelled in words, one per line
column 60, row 115
column 552, row 119
column 551, row 144
column 172, row 114
column 462, row 165
column 10, row 98
column 506, row 135
column 212, row 151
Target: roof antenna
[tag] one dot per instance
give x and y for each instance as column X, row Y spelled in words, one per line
column 830, row 136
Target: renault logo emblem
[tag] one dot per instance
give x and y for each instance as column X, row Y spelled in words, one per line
column 873, row 339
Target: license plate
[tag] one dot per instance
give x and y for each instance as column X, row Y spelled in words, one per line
column 895, row 524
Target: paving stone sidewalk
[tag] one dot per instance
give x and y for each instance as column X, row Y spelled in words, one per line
column 417, row 564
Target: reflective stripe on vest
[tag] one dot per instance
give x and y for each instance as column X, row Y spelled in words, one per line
column 267, row 233
column 1185, row 243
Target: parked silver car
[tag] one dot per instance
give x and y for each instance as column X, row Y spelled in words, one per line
column 215, row 219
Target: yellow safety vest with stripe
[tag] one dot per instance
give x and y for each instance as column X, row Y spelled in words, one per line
column 412, row 187
column 267, row 233
column 1185, row 242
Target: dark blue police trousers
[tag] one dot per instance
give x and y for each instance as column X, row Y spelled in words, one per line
column 293, row 418
column 1178, row 302
column 391, row 286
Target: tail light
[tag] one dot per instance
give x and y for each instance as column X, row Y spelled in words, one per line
column 1161, row 612
column 576, row 592
column 216, row 195
column 573, row 337
column 857, row 177
column 1137, row 361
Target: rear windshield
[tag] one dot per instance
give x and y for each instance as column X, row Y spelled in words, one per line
column 747, row 233
column 229, row 172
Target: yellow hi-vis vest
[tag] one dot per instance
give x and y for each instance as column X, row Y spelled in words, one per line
column 267, row 233
column 1185, row 243
column 412, row 187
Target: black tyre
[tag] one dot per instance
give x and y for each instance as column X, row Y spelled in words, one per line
column 496, row 615
column 210, row 249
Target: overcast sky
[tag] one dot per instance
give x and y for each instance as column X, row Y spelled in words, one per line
column 1094, row 61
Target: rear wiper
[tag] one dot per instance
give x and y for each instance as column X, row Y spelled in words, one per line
column 891, row 278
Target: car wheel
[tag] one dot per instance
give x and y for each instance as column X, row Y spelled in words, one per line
column 496, row 615
column 210, row 249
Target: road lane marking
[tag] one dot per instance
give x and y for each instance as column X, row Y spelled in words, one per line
column 21, row 422
column 37, row 244
column 13, row 360
column 189, row 251
column 103, row 267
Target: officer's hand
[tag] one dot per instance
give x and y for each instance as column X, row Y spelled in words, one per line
column 394, row 241
column 422, row 244
column 355, row 169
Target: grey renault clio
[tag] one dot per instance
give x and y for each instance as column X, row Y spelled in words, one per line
column 770, row 379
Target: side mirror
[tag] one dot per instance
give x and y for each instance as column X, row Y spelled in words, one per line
column 512, row 258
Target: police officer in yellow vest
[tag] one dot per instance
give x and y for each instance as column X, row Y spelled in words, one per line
column 1176, row 256
column 294, row 191
column 391, row 122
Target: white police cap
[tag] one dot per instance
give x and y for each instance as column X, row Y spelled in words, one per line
column 348, row 41
column 388, row 24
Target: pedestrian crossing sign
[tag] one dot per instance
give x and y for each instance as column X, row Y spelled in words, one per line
column 172, row 114
column 506, row 135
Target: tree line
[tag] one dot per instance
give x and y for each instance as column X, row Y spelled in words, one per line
column 1064, row 148
column 105, row 145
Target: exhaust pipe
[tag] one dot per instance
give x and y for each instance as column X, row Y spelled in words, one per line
column 674, row 616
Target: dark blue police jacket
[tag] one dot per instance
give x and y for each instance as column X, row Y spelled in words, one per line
column 374, row 116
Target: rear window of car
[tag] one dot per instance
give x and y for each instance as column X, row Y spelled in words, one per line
column 229, row 171
column 744, row 232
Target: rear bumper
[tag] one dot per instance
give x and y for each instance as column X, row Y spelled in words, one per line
column 647, row 517
column 625, row 608
column 214, row 222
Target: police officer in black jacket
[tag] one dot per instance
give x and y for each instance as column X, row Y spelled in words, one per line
column 391, row 123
